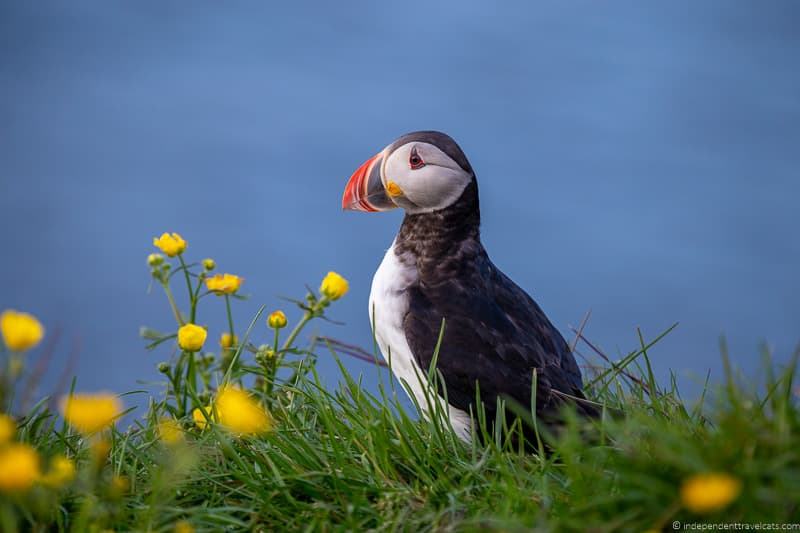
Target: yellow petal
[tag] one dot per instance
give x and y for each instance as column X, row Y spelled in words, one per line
column 706, row 493
column 90, row 413
column 19, row 468
column 21, row 331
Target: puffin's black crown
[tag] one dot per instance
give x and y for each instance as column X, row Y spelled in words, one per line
column 442, row 141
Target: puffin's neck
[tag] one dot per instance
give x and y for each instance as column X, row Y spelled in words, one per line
column 443, row 235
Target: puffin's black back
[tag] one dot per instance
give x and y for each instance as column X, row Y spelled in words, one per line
column 495, row 333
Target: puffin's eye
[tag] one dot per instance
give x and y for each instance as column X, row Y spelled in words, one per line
column 414, row 160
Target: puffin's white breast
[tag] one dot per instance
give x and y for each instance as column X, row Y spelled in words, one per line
column 388, row 305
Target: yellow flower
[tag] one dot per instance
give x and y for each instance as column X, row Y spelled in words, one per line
column 224, row 283
column 21, row 331
column 209, row 264
column 183, row 526
column 200, row 419
column 7, row 429
column 706, row 493
column 227, row 340
column 90, row 413
column 61, row 473
column 191, row 337
column 277, row 320
column 334, row 286
column 19, row 468
column 171, row 244
column 170, row 431
column 119, row 486
column 239, row 413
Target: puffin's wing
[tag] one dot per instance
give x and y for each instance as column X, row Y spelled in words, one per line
column 495, row 334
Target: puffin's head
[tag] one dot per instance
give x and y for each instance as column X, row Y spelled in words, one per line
column 421, row 172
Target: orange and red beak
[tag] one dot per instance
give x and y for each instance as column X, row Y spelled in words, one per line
column 365, row 190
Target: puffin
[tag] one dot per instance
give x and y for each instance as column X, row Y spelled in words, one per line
column 436, row 279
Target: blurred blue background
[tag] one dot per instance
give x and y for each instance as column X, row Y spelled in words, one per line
column 637, row 161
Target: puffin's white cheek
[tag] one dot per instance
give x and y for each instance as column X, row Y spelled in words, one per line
column 433, row 187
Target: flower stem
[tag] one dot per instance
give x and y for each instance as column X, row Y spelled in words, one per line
column 191, row 379
column 296, row 331
column 172, row 303
column 230, row 315
column 271, row 367
column 230, row 351
column 192, row 298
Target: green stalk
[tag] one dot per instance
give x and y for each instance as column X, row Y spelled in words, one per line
column 191, row 379
column 296, row 331
column 172, row 303
column 230, row 315
column 192, row 299
column 271, row 367
column 180, row 393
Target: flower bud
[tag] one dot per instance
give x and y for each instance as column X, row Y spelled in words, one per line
column 227, row 340
column 334, row 286
column 209, row 264
column 191, row 337
column 277, row 320
column 264, row 353
column 155, row 259
column 163, row 367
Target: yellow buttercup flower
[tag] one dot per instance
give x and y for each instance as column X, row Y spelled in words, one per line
column 226, row 340
column 90, row 413
column 706, row 493
column 7, row 429
column 21, row 331
column 209, row 264
column 170, row 432
column 191, row 337
column 171, row 244
column 61, row 472
column 119, row 486
column 334, row 286
column 183, row 527
column 224, row 283
column 200, row 419
column 239, row 413
column 19, row 468
column 277, row 320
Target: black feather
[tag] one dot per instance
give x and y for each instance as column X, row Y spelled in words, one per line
column 495, row 334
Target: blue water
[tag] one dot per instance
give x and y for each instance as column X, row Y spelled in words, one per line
column 638, row 162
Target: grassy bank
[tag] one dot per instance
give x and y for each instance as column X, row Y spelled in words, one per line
column 290, row 454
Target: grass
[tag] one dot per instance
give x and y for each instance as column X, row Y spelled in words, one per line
column 348, row 459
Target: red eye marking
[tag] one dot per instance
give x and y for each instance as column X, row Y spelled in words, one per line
column 414, row 160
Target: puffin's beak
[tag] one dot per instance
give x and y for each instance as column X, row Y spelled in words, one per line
column 365, row 191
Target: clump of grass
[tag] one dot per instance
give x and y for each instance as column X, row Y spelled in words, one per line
column 306, row 457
